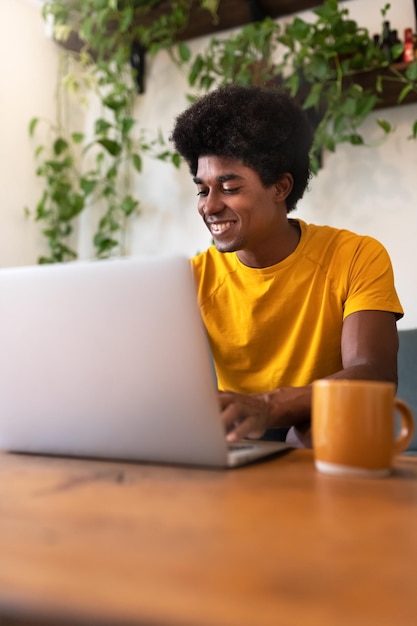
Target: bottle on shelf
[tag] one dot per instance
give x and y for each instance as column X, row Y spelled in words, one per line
column 396, row 47
column 408, row 54
column 385, row 44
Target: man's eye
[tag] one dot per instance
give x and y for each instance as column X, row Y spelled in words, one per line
column 230, row 191
column 202, row 192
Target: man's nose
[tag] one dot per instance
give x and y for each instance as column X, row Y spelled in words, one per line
column 213, row 203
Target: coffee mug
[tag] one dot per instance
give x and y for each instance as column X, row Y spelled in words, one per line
column 353, row 426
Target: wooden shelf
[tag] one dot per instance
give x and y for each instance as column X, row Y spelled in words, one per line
column 234, row 13
column 391, row 87
column 230, row 14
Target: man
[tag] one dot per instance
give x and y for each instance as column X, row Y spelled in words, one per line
column 284, row 302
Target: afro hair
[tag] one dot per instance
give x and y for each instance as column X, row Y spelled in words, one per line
column 263, row 128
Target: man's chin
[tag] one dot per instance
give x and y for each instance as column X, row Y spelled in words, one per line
column 225, row 246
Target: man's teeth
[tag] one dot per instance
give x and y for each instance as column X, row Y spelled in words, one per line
column 220, row 227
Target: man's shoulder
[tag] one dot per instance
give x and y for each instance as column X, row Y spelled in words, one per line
column 211, row 269
column 324, row 231
column 213, row 259
column 321, row 236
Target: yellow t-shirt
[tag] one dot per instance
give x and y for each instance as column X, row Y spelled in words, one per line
column 281, row 325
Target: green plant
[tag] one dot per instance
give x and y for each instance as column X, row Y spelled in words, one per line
column 325, row 60
column 319, row 62
column 407, row 80
column 95, row 170
column 245, row 57
column 97, row 167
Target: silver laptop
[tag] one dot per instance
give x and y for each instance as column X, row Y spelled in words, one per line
column 109, row 359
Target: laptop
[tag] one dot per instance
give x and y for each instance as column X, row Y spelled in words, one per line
column 109, row 359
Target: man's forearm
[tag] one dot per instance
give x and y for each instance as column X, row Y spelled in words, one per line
column 291, row 406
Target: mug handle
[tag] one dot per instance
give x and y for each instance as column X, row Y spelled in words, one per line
column 407, row 426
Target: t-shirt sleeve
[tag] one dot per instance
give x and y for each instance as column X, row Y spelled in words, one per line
column 371, row 280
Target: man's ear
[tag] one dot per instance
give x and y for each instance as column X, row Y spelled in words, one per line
column 284, row 186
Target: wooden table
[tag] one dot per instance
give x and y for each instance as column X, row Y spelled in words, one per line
column 276, row 543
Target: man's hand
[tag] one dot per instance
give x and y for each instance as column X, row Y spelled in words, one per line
column 251, row 415
column 244, row 415
column 365, row 356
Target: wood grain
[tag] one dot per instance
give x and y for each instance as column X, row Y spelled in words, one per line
column 93, row 542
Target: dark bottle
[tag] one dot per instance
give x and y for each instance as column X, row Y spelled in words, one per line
column 386, row 42
column 396, row 47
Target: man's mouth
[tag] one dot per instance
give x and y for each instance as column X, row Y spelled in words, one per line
column 218, row 228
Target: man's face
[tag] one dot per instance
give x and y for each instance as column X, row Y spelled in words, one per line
column 241, row 214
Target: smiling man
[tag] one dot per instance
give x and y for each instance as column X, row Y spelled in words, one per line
column 284, row 302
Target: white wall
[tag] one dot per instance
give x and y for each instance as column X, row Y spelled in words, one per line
column 28, row 71
column 371, row 191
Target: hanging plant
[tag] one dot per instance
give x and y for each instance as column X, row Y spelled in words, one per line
column 322, row 63
column 97, row 168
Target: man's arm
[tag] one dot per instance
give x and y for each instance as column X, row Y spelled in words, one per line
column 369, row 346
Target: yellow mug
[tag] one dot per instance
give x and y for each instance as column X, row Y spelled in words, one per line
column 353, row 426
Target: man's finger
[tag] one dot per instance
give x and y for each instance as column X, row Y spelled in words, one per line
column 249, row 427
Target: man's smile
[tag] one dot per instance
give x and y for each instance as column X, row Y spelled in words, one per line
column 217, row 228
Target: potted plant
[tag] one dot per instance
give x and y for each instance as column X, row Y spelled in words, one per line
column 322, row 63
column 96, row 167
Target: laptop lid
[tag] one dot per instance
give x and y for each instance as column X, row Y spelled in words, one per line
column 108, row 359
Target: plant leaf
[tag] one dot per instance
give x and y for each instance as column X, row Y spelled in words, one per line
column 88, row 185
column 414, row 131
column 184, row 52
column 411, row 71
column 129, row 205
column 355, row 139
column 176, row 160
column 77, row 137
column 137, row 162
column 112, row 147
column 385, row 125
column 32, row 125
column 404, row 92
column 60, row 145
